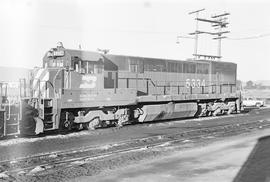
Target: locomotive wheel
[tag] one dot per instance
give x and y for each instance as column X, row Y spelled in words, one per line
column 105, row 124
column 118, row 125
column 208, row 113
column 199, row 112
column 92, row 125
column 217, row 111
column 229, row 111
column 66, row 125
column 85, row 126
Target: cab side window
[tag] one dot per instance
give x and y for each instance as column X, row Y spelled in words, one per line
column 89, row 67
column 98, row 68
column 76, row 66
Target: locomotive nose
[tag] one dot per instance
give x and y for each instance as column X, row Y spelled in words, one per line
column 39, row 78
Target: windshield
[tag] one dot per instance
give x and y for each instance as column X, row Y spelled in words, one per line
column 52, row 63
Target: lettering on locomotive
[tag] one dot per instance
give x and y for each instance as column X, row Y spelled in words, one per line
column 88, row 81
column 195, row 83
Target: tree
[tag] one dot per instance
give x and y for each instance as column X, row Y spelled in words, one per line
column 249, row 85
column 238, row 84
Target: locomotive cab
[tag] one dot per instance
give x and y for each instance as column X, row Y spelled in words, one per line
column 67, row 69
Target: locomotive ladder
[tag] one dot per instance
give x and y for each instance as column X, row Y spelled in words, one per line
column 11, row 112
column 47, row 114
column 45, row 106
column 14, row 112
column 12, row 119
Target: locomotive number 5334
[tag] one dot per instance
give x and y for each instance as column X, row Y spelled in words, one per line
column 195, row 83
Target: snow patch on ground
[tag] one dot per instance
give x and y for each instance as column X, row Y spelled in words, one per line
column 3, row 175
column 13, row 162
column 53, row 156
column 186, row 141
column 16, row 141
column 21, row 173
column 191, row 120
column 209, row 137
column 37, row 169
column 165, row 144
column 106, row 147
column 78, row 162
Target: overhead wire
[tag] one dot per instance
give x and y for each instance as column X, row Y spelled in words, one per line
column 250, row 37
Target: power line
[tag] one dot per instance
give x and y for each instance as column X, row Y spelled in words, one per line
column 251, row 37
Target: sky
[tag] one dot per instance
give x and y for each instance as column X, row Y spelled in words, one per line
column 28, row 28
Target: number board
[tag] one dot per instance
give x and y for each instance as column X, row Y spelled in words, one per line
column 58, row 53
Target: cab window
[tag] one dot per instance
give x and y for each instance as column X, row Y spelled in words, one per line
column 88, row 67
column 98, row 68
column 91, row 68
column 55, row 63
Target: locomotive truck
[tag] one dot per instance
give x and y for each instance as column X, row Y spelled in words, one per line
column 83, row 89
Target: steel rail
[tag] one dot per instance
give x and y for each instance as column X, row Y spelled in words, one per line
column 155, row 141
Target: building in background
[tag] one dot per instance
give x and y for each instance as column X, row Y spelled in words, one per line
column 11, row 76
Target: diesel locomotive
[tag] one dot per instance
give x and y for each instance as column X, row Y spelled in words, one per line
column 83, row 89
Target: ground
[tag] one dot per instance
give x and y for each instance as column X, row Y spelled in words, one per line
column 215, row 157
column 218, row 161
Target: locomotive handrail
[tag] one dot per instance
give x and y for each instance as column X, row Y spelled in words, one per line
column 43, row 82
column 9, row 108
column 20, row 109
column 174, row 85
column 5, row 124
column 183, row 85
column 54, row 79
column 32, row 85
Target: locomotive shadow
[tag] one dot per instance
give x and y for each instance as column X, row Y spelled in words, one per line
column 249, row 109
column 257, row 166
column 132, row 124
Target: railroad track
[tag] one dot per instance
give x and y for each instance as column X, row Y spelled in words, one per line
column 34, row 165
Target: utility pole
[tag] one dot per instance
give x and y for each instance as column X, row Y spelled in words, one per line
column 223, row 24
column 196, row 30
column 219, row 22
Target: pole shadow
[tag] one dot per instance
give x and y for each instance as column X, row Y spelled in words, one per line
column 257, row 166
